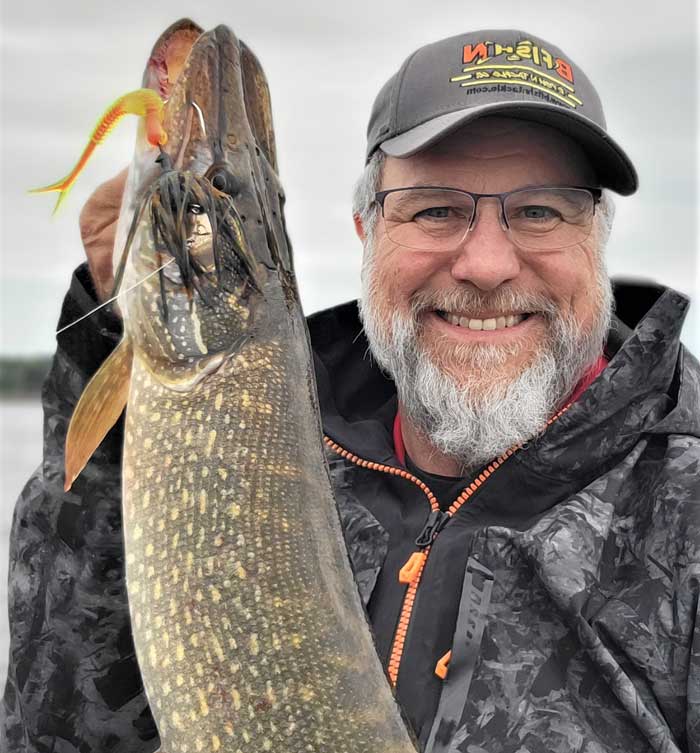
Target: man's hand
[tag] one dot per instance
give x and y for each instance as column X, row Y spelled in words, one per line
column 98, row 228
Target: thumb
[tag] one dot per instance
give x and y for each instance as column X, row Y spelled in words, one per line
column 98, row 228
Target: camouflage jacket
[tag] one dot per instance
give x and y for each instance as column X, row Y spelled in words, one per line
column 566, row 589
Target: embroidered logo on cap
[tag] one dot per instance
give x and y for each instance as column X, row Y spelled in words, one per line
column 480, row 74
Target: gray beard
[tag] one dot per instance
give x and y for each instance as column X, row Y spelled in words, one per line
column 478, row 415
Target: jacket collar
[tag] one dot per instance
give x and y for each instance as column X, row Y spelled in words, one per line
column 647, row 388
column 644, row 389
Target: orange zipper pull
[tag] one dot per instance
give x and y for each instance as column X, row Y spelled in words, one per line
column 441, row 666
column 409, row 572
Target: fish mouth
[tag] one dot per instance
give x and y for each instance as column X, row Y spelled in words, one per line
column 220, row 155
column 219, row 125
column 209, row 221
column 169, row 54
column 211, row 108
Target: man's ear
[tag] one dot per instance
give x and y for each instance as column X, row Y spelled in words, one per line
column 359, row 227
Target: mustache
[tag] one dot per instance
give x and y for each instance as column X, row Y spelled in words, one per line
column 470, row 300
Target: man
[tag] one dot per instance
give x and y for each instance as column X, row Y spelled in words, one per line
column 519, row 498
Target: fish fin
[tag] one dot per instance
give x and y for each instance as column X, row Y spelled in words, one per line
column 98, row 409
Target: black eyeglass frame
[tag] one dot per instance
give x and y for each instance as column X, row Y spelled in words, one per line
column 596, row 194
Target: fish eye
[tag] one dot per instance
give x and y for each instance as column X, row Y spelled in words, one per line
column 218, row 180
column 222, row 179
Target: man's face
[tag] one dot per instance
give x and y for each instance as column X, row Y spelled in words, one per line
column 413, row 300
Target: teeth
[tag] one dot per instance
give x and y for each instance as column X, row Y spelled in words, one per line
column 499, row 322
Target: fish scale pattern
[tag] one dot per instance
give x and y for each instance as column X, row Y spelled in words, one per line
column 248, row 634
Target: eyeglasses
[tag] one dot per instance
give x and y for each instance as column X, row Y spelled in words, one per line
column 431, row 218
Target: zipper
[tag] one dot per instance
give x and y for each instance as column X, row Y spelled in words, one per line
column 411, row 573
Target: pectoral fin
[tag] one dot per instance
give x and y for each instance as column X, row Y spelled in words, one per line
column 98, row 409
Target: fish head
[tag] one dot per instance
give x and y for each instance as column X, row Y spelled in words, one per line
column 206, row 248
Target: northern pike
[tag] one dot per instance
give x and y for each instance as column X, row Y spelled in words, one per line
column 248, row 627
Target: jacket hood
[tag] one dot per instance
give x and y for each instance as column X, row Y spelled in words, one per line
column 650, row 386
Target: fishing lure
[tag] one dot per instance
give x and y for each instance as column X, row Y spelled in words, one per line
column 144, row 102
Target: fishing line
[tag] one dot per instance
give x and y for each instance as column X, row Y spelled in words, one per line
column 114, row 298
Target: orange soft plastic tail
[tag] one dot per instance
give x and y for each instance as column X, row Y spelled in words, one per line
column 143, row 102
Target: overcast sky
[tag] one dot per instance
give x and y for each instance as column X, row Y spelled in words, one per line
column 64, row 62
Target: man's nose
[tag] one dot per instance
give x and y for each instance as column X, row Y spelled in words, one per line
column 487, row 257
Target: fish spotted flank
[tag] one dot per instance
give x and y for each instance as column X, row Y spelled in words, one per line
column 247, row 623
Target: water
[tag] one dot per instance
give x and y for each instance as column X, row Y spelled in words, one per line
column 20, row 454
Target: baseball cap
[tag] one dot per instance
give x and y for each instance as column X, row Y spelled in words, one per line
column 447, row 84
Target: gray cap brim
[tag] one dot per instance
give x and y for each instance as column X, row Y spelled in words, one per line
column 613, row 167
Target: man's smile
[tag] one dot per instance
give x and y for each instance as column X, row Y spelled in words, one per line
column 487, row 327
column 486, row 321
